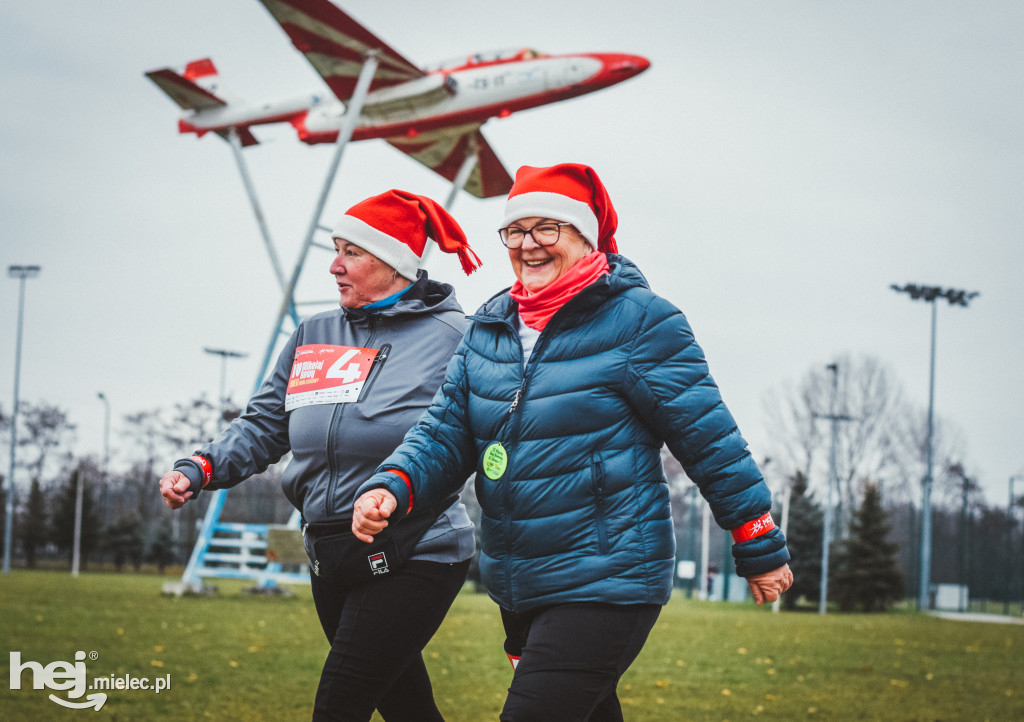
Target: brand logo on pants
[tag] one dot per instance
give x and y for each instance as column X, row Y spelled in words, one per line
column 378, row 563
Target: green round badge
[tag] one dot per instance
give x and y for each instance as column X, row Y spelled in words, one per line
column 495, row 461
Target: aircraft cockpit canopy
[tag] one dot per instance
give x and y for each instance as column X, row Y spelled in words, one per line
column 486, row 58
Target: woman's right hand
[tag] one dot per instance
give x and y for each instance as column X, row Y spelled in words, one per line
column 174, row 489
column 370, row 513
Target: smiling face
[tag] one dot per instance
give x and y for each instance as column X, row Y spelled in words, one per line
column 538, row 266
column 363, row 278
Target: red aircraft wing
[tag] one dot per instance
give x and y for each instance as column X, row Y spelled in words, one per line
column 444, row 150
column 336, row 45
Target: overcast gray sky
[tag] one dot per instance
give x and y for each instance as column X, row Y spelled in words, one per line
column 778, row 166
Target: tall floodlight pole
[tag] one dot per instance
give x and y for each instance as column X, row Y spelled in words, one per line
column 106, row 454
column 956, row 297
column 224, row 356
column 833, row 486
column 1009, row 545
column 21, row 273
column 787, row 497
column 76, row 546
column 826, row 536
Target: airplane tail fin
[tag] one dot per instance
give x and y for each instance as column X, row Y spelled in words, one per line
column 187, row 88
column 195, row 89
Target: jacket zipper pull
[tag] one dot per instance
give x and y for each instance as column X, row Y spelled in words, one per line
column 515, row 401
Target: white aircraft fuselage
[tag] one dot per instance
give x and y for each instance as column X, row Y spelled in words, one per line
column 470, row 93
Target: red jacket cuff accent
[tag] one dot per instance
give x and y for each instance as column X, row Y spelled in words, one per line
column 753, row 529
column 408, row 484
column 206, row 467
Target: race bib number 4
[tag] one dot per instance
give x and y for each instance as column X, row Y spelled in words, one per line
column 324, row 374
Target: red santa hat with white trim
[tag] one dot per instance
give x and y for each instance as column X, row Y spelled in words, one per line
column 395, row 225
column 567, row 192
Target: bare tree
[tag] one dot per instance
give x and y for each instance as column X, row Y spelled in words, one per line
column 191, row 424
column 874, row 438
column 949, row 451
column 45, row 436
column 797, row 438
column 148, row 430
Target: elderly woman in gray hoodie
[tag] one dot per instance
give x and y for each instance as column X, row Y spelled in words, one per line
column 347, row 386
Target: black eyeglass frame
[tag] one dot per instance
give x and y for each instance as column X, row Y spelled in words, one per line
column 502, row 232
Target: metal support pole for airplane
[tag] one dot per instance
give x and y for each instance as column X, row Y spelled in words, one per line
column 236, row 147
column 219, row 496
column 461, row 178
column 190, row 578
column 355, row 107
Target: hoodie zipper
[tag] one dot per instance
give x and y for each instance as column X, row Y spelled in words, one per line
column 339, row 411
column 374, row 372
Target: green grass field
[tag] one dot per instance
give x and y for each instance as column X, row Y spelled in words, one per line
column 239, row 657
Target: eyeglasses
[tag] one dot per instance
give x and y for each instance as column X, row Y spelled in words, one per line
column 544, row 234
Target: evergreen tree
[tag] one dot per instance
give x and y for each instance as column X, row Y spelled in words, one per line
column 162, row 551
column 124, row 542
column 32, row 530
column 867, row 575
column 3, row 507
column 803, row 538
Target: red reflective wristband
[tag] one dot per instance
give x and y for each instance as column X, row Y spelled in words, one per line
column 408, row 483
column 206, row 466
column 753, row 529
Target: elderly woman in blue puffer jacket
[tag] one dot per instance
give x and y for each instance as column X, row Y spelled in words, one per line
column 560, row 397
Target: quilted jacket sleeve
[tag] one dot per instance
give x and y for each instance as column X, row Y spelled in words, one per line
column 669, row 383
column 438, row 452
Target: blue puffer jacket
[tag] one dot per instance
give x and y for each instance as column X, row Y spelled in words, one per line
column 579, row 511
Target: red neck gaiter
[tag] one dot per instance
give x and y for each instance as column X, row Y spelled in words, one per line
column 538, row 308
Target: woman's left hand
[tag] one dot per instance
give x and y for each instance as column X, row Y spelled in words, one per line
column 768, row 586
column 370, row 513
